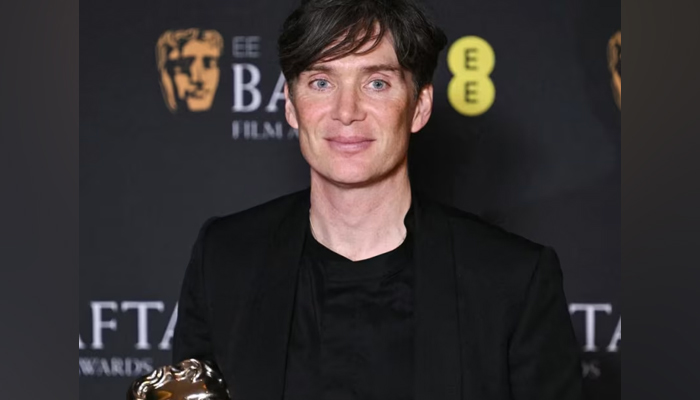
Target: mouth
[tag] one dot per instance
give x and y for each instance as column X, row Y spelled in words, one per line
column 198, row 94
column 349, row 144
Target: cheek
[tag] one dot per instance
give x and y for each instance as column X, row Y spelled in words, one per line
column 310, row 115
column 394, row 118
column 306, row 151
column 181, row 80
column 211, row 76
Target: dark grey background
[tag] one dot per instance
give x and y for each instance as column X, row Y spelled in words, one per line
column 544, row 161
column 661, row 196
column 38, row 197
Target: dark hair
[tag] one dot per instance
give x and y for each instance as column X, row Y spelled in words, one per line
column 331, row 29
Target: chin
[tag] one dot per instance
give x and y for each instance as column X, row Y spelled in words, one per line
column 353, row 180
column 347, row 176
column 365, row 178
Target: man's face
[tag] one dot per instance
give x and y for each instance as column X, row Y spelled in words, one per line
column 196, row 74
column 355, row 115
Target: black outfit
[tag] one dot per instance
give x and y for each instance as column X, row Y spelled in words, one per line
column 352, row 326
column 490, row 320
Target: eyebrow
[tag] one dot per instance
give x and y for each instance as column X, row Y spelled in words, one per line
column 384, row 68
column 367, row 69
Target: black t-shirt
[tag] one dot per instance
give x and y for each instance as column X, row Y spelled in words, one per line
column 352, row 329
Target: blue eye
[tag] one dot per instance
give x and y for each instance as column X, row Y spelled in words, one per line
column 320, row 84
column 378, row 85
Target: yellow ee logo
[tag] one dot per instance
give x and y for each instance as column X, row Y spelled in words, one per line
column 471, row 60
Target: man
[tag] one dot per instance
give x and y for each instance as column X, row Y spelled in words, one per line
column 359, row 288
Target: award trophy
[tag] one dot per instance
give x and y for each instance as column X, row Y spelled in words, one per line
column 189, row 380
column 615, row 65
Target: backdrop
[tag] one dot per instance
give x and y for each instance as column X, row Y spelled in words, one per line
column 181, row 118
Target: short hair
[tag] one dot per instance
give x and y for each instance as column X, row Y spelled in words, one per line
column 331, row 29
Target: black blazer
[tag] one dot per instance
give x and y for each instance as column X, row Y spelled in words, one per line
column 491, row 319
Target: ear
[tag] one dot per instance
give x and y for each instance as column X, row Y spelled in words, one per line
column 424, row 107
column 289, row 111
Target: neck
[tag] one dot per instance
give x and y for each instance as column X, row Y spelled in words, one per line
column 360, row 223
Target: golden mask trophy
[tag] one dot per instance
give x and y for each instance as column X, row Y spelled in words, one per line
column 615, row 65
column 189, row 380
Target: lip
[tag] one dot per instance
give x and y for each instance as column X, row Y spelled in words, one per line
column 349, row 144
column 198, row 94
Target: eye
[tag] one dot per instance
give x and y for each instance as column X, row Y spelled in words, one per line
column 210, row 62
column 320, row 84
column 182, row 65
column 378, row 84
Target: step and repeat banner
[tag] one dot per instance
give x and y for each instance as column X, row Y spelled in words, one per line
column 181, row 118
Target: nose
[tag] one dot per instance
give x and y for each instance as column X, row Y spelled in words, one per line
column 348, row 108
column 196, row 71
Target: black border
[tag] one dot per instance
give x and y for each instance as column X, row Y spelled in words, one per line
column 39, row 175
column 661, row 194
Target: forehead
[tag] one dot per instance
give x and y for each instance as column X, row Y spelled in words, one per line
column 383, row 55
column 200, row 48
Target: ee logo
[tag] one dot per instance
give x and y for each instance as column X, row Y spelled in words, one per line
column 471, row 60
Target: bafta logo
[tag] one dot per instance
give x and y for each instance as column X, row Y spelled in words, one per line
column 615, row 65
column 189, row 380
column 188, row 65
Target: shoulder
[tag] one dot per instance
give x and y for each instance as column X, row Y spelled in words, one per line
column 482, row 238
column 255, row 222
column 497, row 264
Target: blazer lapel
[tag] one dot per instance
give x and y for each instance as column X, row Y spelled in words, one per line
column 265, row 332
column 437, row 347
